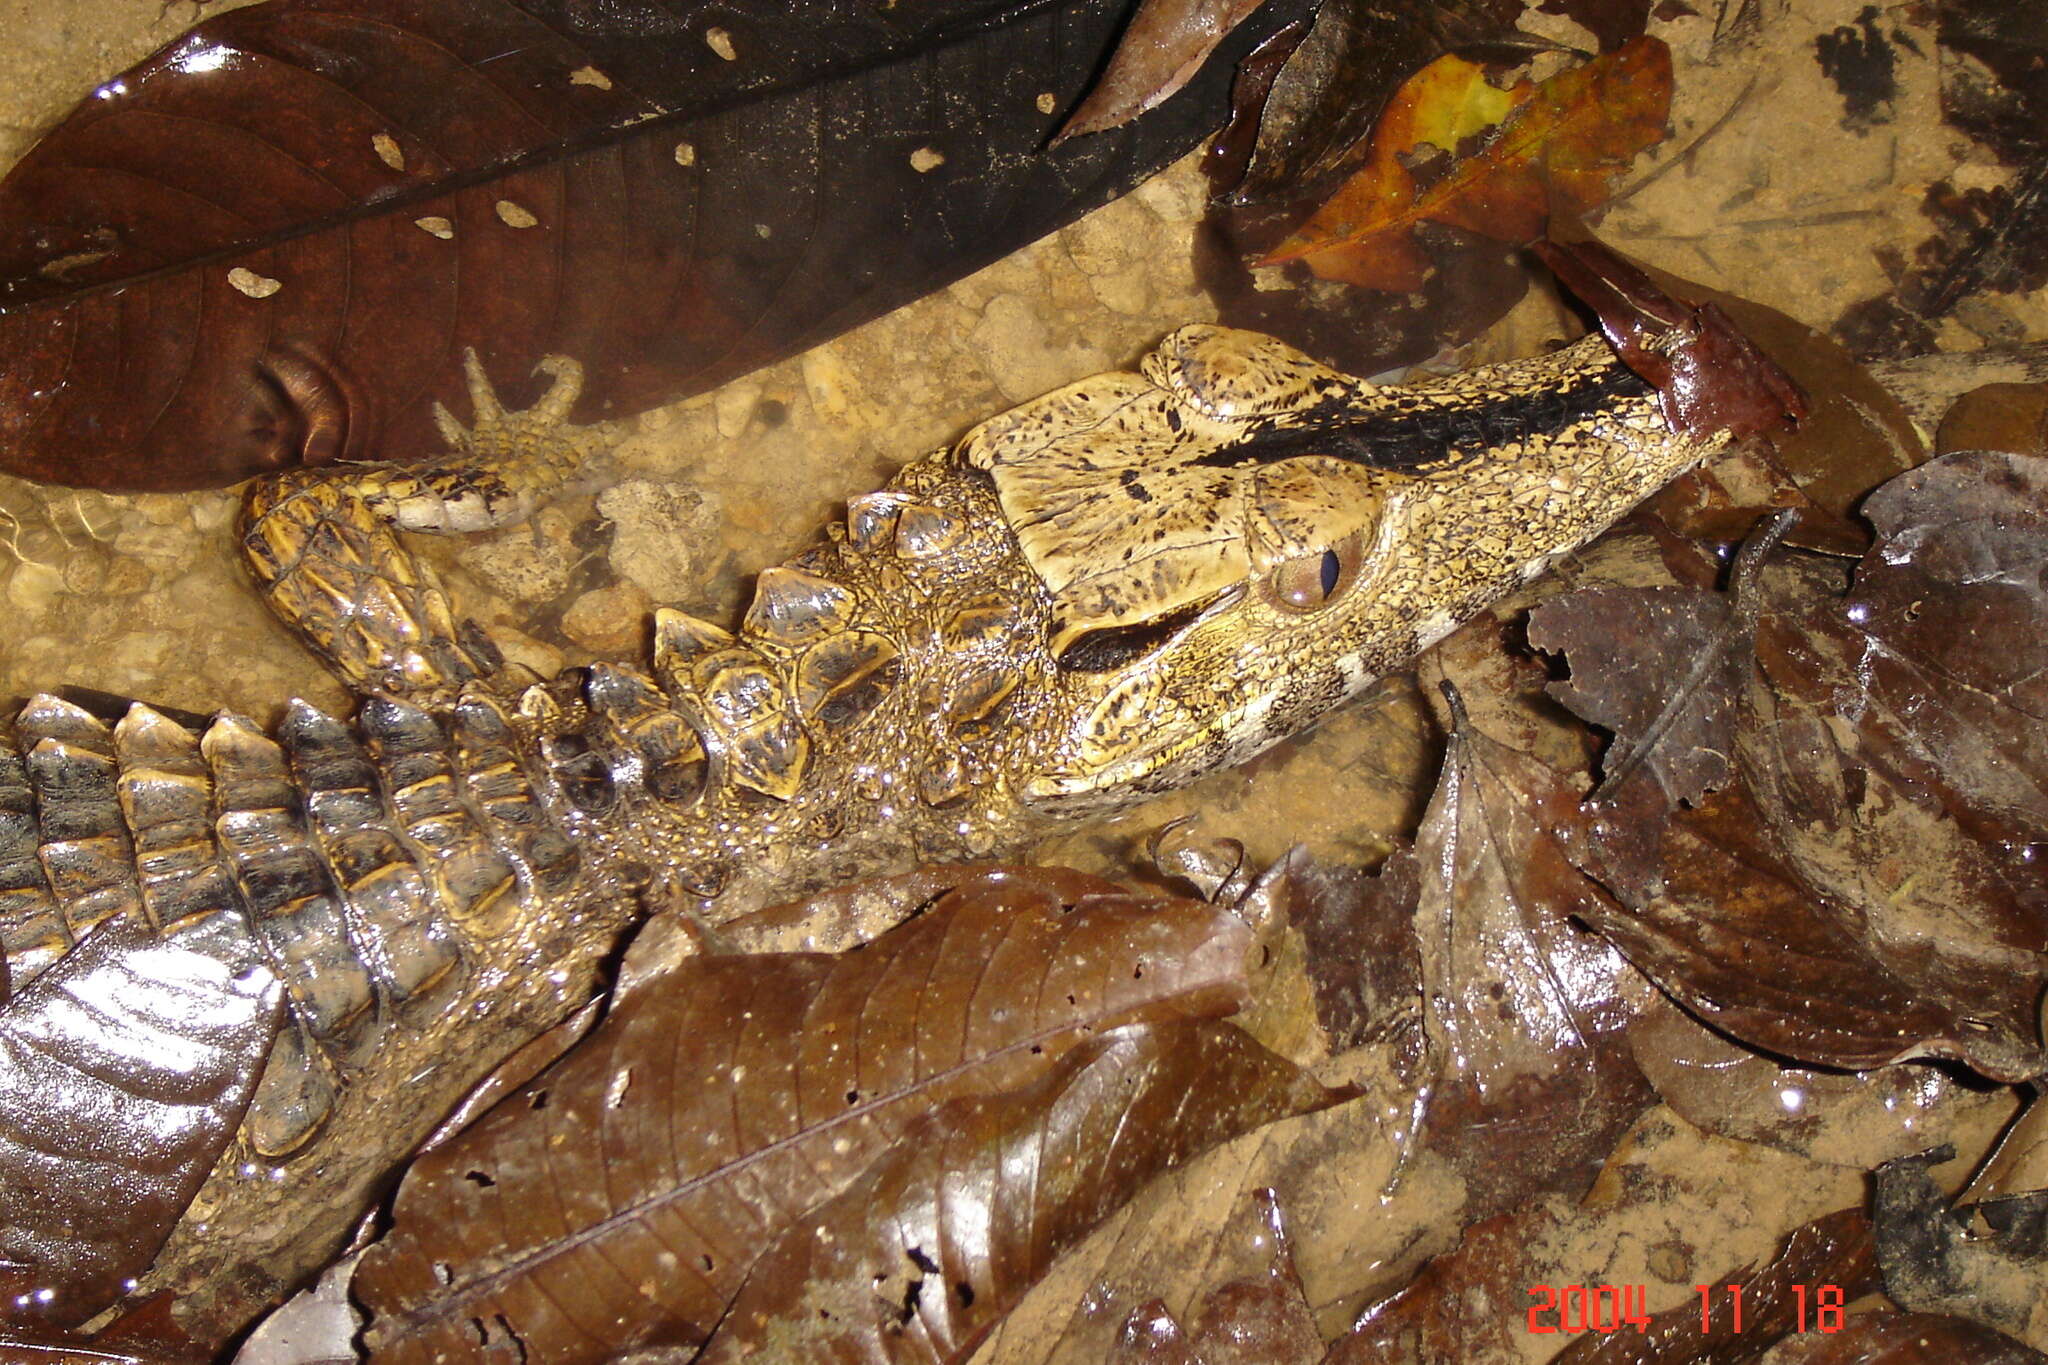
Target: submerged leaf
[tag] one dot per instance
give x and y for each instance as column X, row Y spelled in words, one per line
column 622, row 1196
column 271, row 243
column 1537, row 146
column 1531, row 1079
column 918, row 1259
column 1991, row 1269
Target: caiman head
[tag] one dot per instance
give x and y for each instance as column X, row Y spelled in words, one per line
column 1235, row 538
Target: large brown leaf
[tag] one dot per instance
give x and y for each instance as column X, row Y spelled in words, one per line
column 918, row 1259
column 621, row 1197
column 270, row 243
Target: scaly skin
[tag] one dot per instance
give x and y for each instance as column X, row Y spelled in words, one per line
column 1103, row 594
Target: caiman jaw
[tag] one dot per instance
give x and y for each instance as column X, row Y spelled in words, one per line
column 1238, row 539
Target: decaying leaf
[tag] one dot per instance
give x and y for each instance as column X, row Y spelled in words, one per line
column 1529, row 1080
column 271, row 243
column 1260, row 1319
column 1835, row 905
column 1164, row 45
column 125, row 1068
column 1512, row 154
column 1883, row 1337
column 640, row 1177
column 921, row 1256
column 1991, row 1268
column 1859, row 1119
column 1778, row 1299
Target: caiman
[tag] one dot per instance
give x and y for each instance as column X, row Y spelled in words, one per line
column 1102, row 594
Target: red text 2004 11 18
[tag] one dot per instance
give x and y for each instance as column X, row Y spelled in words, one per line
column 1618, row 1307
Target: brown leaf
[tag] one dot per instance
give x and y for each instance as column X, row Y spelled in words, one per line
column 918, row 1259
column 643, row 1173
column 1882, row 1337
column 1529, row 146
column 2010, row 417
column 1524, row 1010
column 1857, row 1119
column 270, row 243
column 1164, row 46
column 125, row 1069
column 1778, row 1299
column 1259, row 1319
column 1952, row 610
column 1627, row 646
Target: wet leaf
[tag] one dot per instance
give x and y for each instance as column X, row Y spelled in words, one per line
column 919, row 1258
column 125, row 1068
column 643, row 1174
column 1952, row 610
column 270, row 243
column 1991, row 1269
column 1260, row 1319
column 2010, row 417
column 1628, row 690
column 1778, row 1299
column 1855, row 1119
column 1530, row 1077
column 1511, row 155
column 1164, row 45
column 1882, row 1337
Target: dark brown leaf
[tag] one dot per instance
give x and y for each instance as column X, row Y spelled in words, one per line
column 1624, row 644
column 124, row 1070
column 1835, row 1251
column 1952, row 610
column 270, row 243
column 1164, row 46
column 918, row 1259
column 705, row 1115
column 1936, row 1261
column 1882, row 1337
column 1524, row 1010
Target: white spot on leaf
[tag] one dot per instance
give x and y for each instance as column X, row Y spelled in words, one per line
column 435, row 226
column 719, row 41
column 388, row 151
column 1047, row 103
column 686, row 154
column 927, row 159
column 254, row 285
column 590, row 75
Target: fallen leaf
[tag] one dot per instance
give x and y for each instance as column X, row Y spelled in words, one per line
column 125, row 1069
column 1830, row 1261
column 1530, row 145
column 922, row 1255
column 1529, row 1077
column 641, row 1176
column 1885, row 1337
column 1163, row 47
column 270, row 243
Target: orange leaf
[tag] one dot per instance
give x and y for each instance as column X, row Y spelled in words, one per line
column 1514, row 154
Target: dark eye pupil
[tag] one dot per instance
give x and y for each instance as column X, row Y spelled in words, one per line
column 1331, row 569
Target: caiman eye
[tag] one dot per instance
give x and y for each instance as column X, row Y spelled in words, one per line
column 1311, row 582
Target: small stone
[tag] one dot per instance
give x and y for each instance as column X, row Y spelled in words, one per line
column 514, row 216
column 686, row 154
column 388, row 151
column 435, row 226
column 719, row 41
column 609, row 621
column 926, row 160
column 532, row 564
column 254, row 285
column 1047, row 102
column 591, row 76
column 33, row 587
column 665, row 537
